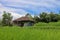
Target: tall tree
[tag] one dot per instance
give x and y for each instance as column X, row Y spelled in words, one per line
column 43, row 16
column 36, row 19
column 7, row 18
column 28, row 15
column 53, row 17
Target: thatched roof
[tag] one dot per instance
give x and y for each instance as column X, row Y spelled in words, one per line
column 24, row 19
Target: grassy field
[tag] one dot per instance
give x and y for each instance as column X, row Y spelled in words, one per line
column 31, row 33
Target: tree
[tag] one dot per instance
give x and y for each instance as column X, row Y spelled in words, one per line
column 36, row 19
column 53, row 17
column 58, row 15
column 44, row 17
column 28, row 15
column 47, row 18
column 0, row 22
column 7, row 18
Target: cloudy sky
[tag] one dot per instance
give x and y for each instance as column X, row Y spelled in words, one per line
column 19, row 8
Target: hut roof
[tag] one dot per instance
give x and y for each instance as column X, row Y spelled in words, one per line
column 24, row 19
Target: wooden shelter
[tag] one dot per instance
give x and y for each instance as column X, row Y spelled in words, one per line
column 24, row 21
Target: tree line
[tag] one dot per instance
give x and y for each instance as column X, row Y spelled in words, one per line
column 47, row 17
column 42, row 17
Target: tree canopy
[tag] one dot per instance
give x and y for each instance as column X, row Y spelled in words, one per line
column 7, row 18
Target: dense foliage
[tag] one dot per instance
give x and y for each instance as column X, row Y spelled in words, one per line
column 36, row 19
column 47, row 17
column 7, row 18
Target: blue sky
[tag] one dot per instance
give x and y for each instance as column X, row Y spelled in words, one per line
column 34, row 7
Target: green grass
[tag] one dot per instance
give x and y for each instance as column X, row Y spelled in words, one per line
column 31, row 33
column 51, row 24
column 17, row 33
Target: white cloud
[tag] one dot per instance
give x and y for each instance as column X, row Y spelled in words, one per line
column 12, row 11
column 25, row 3
column 21, row 6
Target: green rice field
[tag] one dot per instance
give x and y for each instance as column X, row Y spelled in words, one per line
column 49, row 31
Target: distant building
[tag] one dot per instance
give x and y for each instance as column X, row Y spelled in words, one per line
column 24, row 21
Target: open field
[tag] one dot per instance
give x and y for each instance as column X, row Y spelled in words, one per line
column 17, row 33
column 31, row 33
